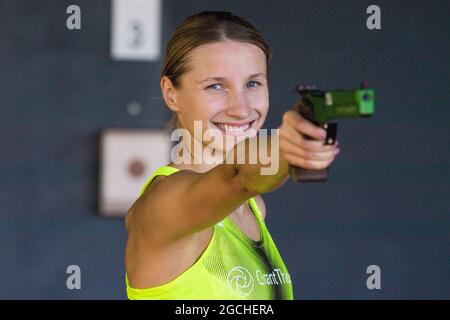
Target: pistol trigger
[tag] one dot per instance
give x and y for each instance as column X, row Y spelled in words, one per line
column 331, row 129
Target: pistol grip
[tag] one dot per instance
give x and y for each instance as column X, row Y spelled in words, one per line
column 299, row 174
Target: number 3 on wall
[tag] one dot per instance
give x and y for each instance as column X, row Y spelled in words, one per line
column 136, row 29
column 137, row 34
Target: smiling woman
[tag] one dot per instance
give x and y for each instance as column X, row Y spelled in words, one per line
column 197, row 230
column 220, row 31
column 234, row 99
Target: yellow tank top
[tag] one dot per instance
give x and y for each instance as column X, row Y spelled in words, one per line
column 232, row 267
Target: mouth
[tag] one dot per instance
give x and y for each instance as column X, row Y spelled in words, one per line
column 231, row 128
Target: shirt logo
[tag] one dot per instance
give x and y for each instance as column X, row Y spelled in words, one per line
column 240, row 281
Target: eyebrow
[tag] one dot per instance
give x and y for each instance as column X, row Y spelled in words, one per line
column 252, row 76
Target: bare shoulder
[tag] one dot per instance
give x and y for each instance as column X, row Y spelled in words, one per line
column 129, row 214
column 261, row 205
column 184, row 203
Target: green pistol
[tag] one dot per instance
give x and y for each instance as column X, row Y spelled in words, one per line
column 321, row 106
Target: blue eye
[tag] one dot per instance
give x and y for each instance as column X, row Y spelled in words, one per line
column 253, row 84
column 214, row 86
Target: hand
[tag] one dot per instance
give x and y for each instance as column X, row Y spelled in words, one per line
column 300, row 152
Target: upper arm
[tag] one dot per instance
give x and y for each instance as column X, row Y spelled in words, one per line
column 186, row 202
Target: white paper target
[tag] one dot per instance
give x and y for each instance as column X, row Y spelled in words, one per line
column 128, row 157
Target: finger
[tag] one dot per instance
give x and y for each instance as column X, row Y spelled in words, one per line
column 292, row 135
column 318, row 146
column 288, row 147
column 306, row 164
column 309, row 129
column 296, row 121
column 299, row 140
column 300, row 124
column 292, row 117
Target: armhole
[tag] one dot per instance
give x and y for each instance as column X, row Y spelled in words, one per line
column 162, row 171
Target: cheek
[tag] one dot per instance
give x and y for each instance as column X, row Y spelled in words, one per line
column 208, row 106
column 259, row 101
column 200, row 112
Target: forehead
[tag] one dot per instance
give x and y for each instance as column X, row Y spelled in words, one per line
column 226, row 58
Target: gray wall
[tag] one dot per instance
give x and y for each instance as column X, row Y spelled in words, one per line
column 387, row 199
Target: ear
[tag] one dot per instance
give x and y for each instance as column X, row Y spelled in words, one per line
column 169, row 93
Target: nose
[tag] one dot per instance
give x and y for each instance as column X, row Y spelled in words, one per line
column 238, row 106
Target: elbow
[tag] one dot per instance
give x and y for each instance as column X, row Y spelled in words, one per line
column 245, row 187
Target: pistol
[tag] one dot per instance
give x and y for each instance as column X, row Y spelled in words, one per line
column 321, row 106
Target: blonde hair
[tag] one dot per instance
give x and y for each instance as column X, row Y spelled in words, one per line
column 202, row 28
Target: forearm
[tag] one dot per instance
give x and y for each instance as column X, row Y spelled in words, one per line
column 264, row 169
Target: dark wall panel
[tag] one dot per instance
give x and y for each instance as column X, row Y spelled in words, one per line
column 387, row 199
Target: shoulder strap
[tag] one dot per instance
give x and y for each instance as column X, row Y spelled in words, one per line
column 255, row 209
column 162, row 171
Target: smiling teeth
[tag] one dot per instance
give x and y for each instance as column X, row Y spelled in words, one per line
column 232, row 128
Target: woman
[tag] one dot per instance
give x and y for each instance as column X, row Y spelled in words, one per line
column 197, row 231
